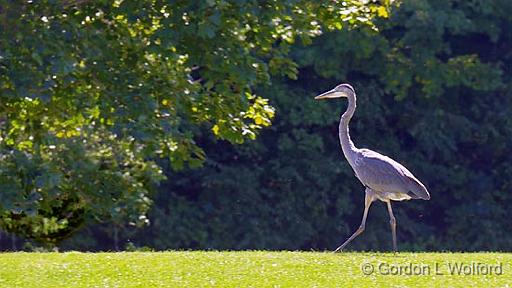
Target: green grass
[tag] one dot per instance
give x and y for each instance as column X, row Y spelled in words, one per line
column 247, row 269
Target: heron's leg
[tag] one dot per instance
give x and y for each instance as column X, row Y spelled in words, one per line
column 368, row 199
column 392, row 222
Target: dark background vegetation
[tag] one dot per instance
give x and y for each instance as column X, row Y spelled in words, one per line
column 434, row 93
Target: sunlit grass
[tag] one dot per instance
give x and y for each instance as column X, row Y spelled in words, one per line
column 252, row 269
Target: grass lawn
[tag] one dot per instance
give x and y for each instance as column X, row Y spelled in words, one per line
column 255, row 269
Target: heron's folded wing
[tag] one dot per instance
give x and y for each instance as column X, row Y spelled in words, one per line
column 382, row 173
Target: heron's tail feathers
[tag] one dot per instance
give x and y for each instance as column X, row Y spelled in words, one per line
column 418, row 190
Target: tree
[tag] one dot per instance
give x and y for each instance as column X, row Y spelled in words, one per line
column 91, row 92
column 434, row 93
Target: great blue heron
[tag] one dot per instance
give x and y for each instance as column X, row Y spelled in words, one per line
column 384, row 178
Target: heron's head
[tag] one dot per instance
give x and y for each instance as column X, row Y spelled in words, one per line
column 342, row 90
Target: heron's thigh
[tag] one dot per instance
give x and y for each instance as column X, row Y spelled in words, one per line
column 370, row 196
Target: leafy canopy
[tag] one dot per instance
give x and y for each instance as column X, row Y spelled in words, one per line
column 91, row 91
column 434, row 92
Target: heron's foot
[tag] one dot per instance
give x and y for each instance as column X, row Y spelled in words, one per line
column 358, row 231
column 339, row 249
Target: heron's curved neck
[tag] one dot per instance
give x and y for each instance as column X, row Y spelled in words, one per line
column 347, row 145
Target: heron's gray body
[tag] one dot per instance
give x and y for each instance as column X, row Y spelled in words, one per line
column 387, row 178
column 384, row 178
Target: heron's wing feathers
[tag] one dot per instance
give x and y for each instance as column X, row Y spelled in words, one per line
column 384, row 174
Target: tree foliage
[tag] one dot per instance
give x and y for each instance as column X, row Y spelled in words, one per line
column 91, row 92
column 434, row 93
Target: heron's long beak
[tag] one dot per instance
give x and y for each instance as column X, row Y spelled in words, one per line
column 331, row 94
